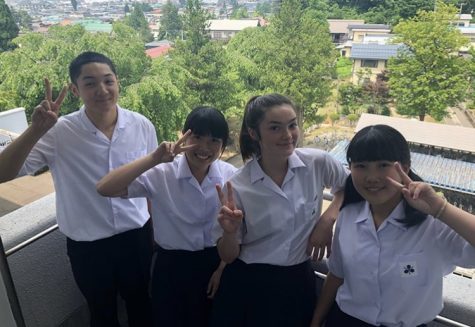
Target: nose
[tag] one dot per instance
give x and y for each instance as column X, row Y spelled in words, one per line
column 373, row 176
column 287, row 133
column 102, row 88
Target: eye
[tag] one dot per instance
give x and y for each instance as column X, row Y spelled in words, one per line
column 274, row 128
column 385, row 164
column 358, row 165
column 293, row 125
column 110, row 82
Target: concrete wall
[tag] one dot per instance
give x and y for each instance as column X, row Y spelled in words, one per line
column 41, row 272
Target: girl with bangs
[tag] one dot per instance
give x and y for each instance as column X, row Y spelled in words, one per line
column 395, row 240
column 184, row 202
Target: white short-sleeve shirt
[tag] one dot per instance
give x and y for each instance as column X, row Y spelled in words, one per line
column 278, row 220
column 393, row 275
column 78, row 155
column 183, row 211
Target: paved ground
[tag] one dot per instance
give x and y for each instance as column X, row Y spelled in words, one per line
column 21, row 191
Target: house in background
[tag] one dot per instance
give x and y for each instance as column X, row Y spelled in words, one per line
column 357, row 33
column 225, row 29
column 339, row 29
column 370, row 59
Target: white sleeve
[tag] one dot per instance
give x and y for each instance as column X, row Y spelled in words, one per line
column 42, row 154
column 335, row 264
column 334, row 174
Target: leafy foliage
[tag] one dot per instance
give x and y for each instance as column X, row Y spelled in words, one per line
column 429, row 75
column 171, row 25
column 137, row 21
column 8, row 28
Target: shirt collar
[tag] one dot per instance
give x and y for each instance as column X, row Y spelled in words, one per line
column 121, row 123
column 258, row 174
column 393, row 218
column 184, row 170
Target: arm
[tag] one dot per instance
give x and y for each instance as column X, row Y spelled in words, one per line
column 322, row 233
column 115, row 183
column 326, row 299
column 213, row 284
column 44, row 117
column 423, row 197
column 230, row 220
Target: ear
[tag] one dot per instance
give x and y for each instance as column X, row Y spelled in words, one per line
column 253, row 134
column 74, row 89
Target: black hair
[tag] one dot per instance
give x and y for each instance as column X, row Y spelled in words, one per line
column 254, row 113
column 381, row 142
column 207, row 121
column 86, row 58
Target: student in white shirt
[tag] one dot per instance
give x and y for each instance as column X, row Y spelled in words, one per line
column 394, row 241
column 266, row 224
column 182, row 190
column 108, row 240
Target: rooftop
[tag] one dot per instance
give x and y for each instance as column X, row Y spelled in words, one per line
column 374, row 51
column 232, row 24
column 340, row 26
column 445, row 173
column 369, row 27
column 430, row 134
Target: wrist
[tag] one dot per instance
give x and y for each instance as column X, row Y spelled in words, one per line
column 441, row 209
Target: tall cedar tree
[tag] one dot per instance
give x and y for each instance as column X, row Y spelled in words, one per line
column 137, row 21
column 171, row 26
column 8, row 28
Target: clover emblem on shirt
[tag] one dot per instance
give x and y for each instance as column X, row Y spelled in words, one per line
column 409, row 269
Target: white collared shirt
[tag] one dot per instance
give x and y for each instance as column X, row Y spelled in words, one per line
column 78, row 155
column 278, row 220
column 183, row 211
column 393, row 275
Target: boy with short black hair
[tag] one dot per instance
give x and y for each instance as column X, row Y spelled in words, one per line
column 108, row 240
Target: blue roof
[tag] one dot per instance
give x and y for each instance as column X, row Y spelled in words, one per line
column 374, row 51
column 445, row 173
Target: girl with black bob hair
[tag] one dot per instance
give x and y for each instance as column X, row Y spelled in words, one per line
column 376, row 143
column 395, row 239
column 182, row 192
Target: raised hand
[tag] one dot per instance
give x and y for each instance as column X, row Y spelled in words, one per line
column 46, row 113
column 167, row 151
column 419, row 195
column 229, row 217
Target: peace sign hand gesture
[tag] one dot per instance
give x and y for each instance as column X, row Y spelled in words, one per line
column 46, row 113
column 229, row 217
column 419, row 195
column 167, row 151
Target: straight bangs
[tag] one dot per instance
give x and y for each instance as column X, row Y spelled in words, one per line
column 378, row 143
column 207, row 121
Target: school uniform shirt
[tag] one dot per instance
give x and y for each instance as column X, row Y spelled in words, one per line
column 183, row 211
column 78, row 155
column 278, row 220
column 393, row 275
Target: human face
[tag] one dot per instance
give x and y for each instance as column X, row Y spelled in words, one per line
column 207, row 150
column 370, row 180
column 97, row 86
column 279, row 132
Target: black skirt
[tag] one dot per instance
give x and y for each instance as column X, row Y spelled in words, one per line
column 265, row 295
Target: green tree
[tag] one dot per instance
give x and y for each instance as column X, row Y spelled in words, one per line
column 8, row 28
column 171, row 26
column 22, row 19
column 239, row 12
column 349, row 97
column 162, row 96
column 195, row 25
column 428, row 76
column 74, row 3
column 137, row 21
column 23, row 69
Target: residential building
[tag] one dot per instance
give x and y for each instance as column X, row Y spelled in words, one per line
column 339, row 28
column 370, row 59
column 225, row 29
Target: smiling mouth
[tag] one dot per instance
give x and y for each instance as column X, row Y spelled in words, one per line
column 202, row 156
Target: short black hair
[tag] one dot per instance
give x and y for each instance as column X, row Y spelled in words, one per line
column 381, row 142
column 207, row 121
column 254, row 113
column 87, row 58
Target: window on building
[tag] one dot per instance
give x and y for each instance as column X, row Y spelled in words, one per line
column 369, row 63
